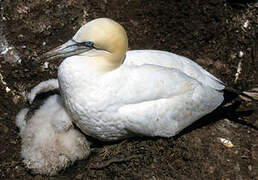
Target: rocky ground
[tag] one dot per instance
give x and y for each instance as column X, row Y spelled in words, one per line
column 220, row 35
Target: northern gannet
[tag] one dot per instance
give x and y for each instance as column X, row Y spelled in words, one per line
column 50, row 142
column 112, row 93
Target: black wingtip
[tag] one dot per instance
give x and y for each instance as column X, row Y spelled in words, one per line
column 39, row 101
column 232, row 93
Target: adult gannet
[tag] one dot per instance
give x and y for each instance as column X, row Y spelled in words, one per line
column 50, row 142
column 112, row 93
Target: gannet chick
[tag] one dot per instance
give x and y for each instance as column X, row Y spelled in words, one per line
column 43, row 87
column 50, row 142
column 112, row 94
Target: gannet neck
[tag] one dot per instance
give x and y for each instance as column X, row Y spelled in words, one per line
column 103, row 61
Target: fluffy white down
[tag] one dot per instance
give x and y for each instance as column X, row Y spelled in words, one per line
column 49, row 141
column 42, row 87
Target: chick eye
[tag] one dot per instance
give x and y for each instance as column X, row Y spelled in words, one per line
column 89, row 44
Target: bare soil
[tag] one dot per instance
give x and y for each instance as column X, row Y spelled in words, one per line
column 210, row 32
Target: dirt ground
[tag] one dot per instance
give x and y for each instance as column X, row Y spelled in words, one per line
column 219, row 35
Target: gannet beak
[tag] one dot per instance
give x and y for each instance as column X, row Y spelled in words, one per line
column 67, row 49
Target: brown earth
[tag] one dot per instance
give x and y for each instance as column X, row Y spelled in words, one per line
column 210, row 32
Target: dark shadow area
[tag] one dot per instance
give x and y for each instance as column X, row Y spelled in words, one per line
column 240, row 4
column 222, row 112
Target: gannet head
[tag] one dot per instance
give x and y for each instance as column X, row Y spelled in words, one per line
column 103, row 39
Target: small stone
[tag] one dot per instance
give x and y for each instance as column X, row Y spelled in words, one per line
column 20, row 36
column 211, row 169
column 246, row 24
column 226, row 142
column 240, row 54
column 13, row 142
column 2, row 79
column 45, row 65
column 16, row 99
column 250, row 168
column 7, row 89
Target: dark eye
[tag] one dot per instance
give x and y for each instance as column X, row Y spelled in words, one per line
column 89, row 44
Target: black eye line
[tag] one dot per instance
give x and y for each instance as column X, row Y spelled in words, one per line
column 83, row 43
column 89, row 44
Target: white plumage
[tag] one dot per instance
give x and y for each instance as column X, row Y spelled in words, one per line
column 50, row 142
column 153, row 93
column 147, row 99
column 170, row 60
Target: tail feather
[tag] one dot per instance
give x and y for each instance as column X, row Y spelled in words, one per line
column 253, row 93
column 250, row 95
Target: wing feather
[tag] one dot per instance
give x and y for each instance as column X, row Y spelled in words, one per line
column 165, row 103
column 170, row 60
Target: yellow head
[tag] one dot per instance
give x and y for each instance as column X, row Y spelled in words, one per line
column 102, row 39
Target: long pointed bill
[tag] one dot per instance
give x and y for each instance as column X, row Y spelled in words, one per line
column 69, row 48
